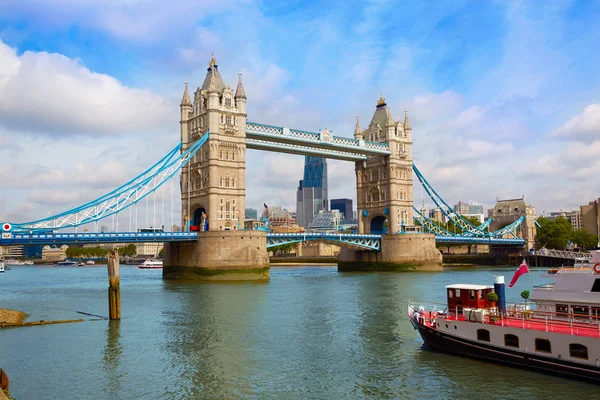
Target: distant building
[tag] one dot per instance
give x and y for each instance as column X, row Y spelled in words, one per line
column 311, row 196
column 508, row 211
column 12, row 251
column 279, row 216
column 149, row 249
column 251, row 213
column 326, row 221
column 253, row 224
column 437, row 215
column 54, row 253
column 574, row 218
column 104, row 229
column 344, row 206
column 590, row 217
column 470, row 210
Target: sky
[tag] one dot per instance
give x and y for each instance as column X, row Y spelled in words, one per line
column 503, row 96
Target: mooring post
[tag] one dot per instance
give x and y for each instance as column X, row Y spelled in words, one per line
column 114, row 286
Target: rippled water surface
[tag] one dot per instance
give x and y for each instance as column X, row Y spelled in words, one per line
column 309, row 333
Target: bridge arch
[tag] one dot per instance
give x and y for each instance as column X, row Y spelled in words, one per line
column 198, row 219
column 379, row 225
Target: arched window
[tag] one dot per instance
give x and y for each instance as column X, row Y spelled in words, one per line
column 233, row 156
column 233, row 185
column 227, row 155
column 220, row 155
column 221, row 185
column 543, row 345
column 511, row 340
column 226, row 182
column 483, row 335
column 577, row 350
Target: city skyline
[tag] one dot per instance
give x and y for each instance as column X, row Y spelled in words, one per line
column 515, row 110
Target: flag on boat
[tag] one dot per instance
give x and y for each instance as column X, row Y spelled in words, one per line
column 265, row 204
column 520, row 271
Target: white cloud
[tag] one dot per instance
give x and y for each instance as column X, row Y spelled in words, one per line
column 584, row 126
column 55, row 95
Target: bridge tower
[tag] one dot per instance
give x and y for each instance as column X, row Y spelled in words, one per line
column 213, row 189
column 384, row 184
column 213, row 184
column 385, row 202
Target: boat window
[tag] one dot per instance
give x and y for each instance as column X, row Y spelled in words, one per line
column 577, row 350
column 450, row 293
column 562, row 308
column 457, row 292
column 511, row 340
column 483, row 335
column 581, row 310
column 543, row 345
column 596, row 287
column 480, row 294
column 471, row 295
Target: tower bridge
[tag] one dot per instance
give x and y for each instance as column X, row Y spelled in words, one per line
column 211, row 157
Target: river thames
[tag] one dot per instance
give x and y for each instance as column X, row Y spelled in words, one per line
column 309, row 333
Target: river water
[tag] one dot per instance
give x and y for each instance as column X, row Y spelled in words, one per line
column 309, row 333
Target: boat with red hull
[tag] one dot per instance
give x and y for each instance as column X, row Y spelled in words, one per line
column 558, row 334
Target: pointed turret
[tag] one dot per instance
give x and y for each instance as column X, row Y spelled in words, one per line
column 212, row 74
column 240, row 93
column 212, row 82
column 186, row 101
column 406, row 121
column 358, row 133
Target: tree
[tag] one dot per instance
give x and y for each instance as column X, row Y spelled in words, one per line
column 491, row 296
column 128, row 251
column 161, row 253
column 584, row 239
column 554, row 234
column 525, row 295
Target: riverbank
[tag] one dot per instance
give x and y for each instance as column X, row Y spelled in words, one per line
column 11, row 316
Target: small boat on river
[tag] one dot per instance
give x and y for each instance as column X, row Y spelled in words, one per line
column 66, row 263
column 559, row 333
column 151, row 264
column 1, row 266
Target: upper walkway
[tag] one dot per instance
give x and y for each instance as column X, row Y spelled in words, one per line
column 321, row 144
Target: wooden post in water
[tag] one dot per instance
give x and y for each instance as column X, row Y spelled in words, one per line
column 114, row 286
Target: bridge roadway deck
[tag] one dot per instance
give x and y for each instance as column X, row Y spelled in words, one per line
column 371, row 242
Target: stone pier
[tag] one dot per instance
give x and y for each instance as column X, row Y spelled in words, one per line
column 218, row 256
column 402, row 252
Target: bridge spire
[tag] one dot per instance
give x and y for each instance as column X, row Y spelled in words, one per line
column 239, row 91
column 358, row 134
column 406, row 121
column 186, row 101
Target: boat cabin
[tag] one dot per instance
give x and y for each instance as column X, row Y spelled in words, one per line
column 468, row 296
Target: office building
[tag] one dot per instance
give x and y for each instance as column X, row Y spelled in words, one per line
column 311, row 196
column 344, row 206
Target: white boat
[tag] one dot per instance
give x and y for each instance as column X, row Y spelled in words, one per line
column 1, row 266
column 559, row 335
column 81, row 264
column 90, row 262
column 28, row 262
column 13, row 262
column 66, row 263
column 150, row 264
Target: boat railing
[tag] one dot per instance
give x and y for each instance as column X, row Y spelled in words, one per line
column 517, row 315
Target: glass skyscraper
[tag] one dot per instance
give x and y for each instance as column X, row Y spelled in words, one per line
column 311, row 196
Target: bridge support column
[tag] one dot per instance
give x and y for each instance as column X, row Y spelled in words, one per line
column 218, row 256
column 403, row 252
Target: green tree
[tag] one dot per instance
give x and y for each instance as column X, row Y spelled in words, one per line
column 128, row 251
column 584, row 239
column 554, row 234
column 161, row 253
column 525, row 295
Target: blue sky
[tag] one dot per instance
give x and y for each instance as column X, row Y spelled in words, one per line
column 504, row 96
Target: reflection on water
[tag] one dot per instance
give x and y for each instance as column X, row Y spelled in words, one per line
column 311, row 332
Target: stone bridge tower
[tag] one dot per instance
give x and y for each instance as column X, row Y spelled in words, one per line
column 213, row 183
column 384, row 184
column 213, row 189
column 385, row 202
